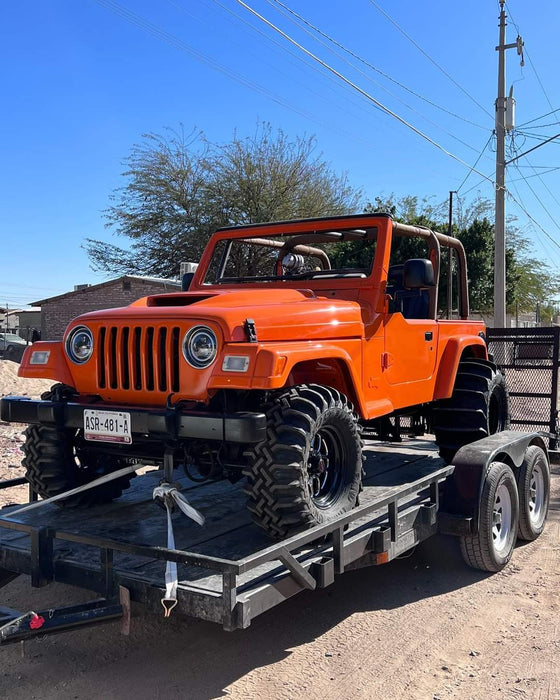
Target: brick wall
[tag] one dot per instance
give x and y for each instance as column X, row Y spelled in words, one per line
column 58, row 312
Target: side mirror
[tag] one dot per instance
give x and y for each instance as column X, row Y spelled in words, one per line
column 186, row 280
column 418, row 273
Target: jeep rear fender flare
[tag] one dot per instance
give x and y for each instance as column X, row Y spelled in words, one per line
column 454, row 352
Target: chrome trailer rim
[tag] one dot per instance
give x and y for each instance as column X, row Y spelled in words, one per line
column 501, row 519
column 537, row 496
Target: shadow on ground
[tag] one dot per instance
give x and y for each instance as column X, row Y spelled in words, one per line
column 198, row 659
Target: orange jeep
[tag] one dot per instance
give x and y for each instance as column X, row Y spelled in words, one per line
column 290, row 338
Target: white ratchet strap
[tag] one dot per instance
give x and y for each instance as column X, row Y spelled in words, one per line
column 72, row 492
column 171, row 496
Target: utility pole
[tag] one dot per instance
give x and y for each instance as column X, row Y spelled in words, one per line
column 500, row 217
column 449, row 258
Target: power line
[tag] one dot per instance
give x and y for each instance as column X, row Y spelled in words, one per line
column 538, row 137
column 480, row 182
column 541, row 126
column 547, row 188
column 539, row 200
column 545, row 172
column 529, row 59
column 370, row 65
column 424, row 53
column 475, row 163
column 379, row 105
column 299, row 58
column 177, row 43
column 368, row 77
column 531, row 217
column 536, row 119
column 521, row 205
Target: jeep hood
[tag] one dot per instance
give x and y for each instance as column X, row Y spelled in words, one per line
column 278, row 314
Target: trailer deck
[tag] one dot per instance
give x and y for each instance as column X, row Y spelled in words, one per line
column 229, row 571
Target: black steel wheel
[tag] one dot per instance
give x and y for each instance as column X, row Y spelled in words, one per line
column 478, row 407
column 309, row 468
column 56, row 461
column 490, row 549
column 533, row 481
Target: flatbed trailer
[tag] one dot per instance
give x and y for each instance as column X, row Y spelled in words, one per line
column 230, row 572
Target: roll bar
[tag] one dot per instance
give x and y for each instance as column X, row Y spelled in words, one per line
column 434, row 240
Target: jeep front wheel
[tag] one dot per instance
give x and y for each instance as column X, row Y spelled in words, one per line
column 309, row 468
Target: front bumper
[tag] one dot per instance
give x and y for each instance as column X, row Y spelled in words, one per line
column 164, row 424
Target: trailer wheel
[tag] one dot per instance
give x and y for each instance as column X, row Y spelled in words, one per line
column 309, row 468
column 533, row 481
column 478, row 407
column 491, row 547
column 55, row 464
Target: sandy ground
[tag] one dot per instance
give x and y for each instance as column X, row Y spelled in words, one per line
column 421, row 627
column 11, row 436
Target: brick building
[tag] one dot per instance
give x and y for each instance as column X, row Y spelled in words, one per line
column 57, row 312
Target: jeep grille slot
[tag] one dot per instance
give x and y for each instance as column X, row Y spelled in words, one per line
column 138, row 358
column 101, row 359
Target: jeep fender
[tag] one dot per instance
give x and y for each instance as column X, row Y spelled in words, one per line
column 274, row 366
column 55, row 367
column 456, row 349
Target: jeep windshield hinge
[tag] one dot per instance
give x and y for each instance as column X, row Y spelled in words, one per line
column 251, row 330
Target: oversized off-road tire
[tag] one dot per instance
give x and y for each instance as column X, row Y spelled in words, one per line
column 533, row 483
column 55, row 462
column 309, row 468
column 478, row 407
column 490, row 549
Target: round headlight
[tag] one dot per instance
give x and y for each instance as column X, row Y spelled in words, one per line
column 79, row 344
column 200, row 347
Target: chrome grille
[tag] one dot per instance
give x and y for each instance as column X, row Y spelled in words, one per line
column 138, row 358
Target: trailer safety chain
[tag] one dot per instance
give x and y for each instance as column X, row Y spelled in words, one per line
column 34, row 620
column 171, row 497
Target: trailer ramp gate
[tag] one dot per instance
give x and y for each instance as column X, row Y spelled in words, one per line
column 229, row 571
column 529, row 358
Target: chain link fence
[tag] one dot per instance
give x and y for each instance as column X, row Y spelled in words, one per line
column 529, row 358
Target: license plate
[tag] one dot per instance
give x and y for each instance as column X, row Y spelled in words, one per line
column 107, row 426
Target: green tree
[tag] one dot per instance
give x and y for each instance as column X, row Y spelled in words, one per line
column 181, row 188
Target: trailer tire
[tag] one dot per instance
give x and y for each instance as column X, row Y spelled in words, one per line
column 478, row 407
column 533, row 482
column 309, row 468
column 54, row 465
column 490, row 549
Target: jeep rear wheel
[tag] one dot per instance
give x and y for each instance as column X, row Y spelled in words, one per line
column 478, row 407
column 309, row 468
column 54, row 464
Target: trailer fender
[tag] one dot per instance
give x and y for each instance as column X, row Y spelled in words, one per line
column 463, row 489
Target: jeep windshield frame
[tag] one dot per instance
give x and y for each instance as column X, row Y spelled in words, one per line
column 306, row 232
column 292, row 256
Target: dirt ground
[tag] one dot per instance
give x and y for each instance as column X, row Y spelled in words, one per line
column 421, row 627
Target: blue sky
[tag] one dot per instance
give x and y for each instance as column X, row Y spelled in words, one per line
column 82, row 81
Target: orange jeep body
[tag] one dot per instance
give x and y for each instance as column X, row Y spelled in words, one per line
column 335, row 330
column 289, row 338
